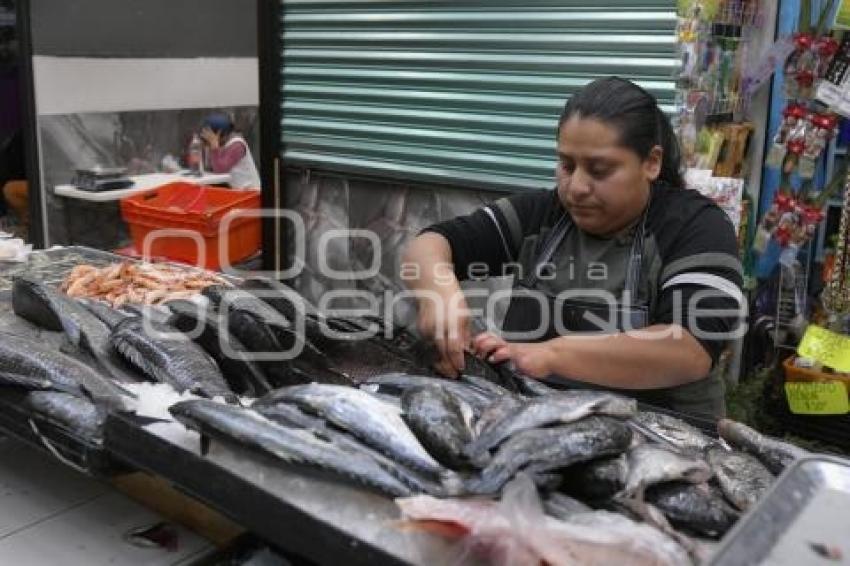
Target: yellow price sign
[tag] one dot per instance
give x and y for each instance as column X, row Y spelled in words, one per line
column 826, row 347
column 827, row 398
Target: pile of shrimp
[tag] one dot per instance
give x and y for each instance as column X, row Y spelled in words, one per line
column 137, row 283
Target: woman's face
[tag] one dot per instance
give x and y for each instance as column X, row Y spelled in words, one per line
column 604, row 185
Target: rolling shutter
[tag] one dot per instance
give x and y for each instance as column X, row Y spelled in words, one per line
column 460, row 92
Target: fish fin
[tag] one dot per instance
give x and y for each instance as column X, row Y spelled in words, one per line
column 25, row 381
column 205, row 444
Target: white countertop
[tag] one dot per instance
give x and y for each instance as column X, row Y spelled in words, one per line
column 141, row 184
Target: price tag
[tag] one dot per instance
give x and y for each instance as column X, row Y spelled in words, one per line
column 826, row 347
column 828, row 398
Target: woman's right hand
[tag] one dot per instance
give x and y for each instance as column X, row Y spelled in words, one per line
column 444, row 319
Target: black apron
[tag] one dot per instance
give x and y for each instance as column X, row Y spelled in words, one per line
column 535, row 315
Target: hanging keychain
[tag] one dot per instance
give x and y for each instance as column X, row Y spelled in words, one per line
column 793, row 115
column 820, row 129
column 800, row 59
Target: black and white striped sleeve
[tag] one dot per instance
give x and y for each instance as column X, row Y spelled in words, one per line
column 699, row 287
column 493, row 234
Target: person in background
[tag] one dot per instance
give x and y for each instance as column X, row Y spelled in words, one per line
column 229, row 152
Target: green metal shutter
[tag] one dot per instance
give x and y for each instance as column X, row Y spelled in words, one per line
column 462, row 92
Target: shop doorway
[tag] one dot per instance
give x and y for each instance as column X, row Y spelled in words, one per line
column 14, row 202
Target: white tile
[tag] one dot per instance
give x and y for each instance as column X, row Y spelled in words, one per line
column 34, row 487
column 92, row 535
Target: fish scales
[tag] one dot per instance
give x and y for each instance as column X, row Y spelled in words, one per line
column 400, row 382
column 205, row 328
column 650, row 464
column 39, row 303
column 291, row 415
column 543, row 411
column 773, row 453
column 36, row 361
column 77, row 414
column 437, row 420
column 675, row 431
column 288, row 444
column 168, row 356
column 693, row 507
column 743, row 479
column 541, row 450
column 364, row 416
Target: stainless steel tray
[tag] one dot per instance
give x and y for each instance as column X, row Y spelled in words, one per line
column 804, row 519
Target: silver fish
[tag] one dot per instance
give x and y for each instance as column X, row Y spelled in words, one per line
column 650, row 464
column 597, row 480
column 36, row 362
column 371, row 420
column 773, row 453
column 400, row 382
column 437, row 419
column 45, row 306
column 497, row 411
column 288, row 444
column 693, row 507
column 674, row 431
column 291, row 415
column 169, row 356
column 743, row 479
column 562, row 408
column 541, row 450
column 77, row 414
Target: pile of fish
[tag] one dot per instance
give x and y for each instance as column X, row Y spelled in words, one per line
column 591, row 454
column 274, row 376
column 224, row 342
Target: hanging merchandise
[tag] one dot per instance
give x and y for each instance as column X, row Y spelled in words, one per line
column 836, row 296
column 798, row 146
column 713, row 38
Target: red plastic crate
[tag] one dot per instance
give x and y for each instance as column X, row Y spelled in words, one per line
column 189, row 218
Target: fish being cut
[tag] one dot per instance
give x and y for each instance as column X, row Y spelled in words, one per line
column 561, row 408
column 541, row 450
column 24, row 359
column 41, row 304
column 743, row 479
column 291, row 415
column 374, row 422
column 695, row 508
column 773, row 453
column 288, row 444
column 440, row 421
column 650, row 464
column 77, row 414
column 168, row 356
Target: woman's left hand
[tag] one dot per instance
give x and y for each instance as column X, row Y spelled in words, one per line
column 531, row 358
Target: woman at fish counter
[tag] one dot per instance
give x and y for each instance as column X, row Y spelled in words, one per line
column 623, row 279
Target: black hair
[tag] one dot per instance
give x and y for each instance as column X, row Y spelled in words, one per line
column 635, row 115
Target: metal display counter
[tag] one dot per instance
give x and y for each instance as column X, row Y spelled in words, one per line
column 319, row 518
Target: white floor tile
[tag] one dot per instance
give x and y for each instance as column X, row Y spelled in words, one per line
column 92, row 535
column 34, row 487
